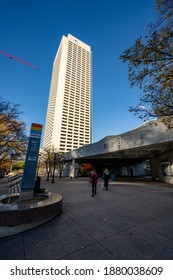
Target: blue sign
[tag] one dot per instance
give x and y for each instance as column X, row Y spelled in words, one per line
column 28, row 180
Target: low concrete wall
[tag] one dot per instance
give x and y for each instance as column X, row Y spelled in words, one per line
column 19, row 216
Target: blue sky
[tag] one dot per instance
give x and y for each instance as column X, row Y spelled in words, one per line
column 32, row 30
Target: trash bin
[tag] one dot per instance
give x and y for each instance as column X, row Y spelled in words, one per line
column 113, row 177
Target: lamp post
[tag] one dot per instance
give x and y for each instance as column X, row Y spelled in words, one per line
column 54, row 164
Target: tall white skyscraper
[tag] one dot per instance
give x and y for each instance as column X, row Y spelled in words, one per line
column 68, row 121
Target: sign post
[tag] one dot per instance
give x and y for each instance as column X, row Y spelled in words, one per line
column 28, row 180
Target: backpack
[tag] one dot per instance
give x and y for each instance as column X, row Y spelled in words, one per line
column 106, row 176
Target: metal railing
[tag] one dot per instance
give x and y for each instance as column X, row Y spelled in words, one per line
column 14, row 184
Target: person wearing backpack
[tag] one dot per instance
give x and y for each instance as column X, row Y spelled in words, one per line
column 106, row 177
column 93, row 180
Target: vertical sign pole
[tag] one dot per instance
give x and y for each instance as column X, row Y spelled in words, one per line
column 29, row 175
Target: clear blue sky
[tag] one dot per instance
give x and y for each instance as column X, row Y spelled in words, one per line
column 32, row 30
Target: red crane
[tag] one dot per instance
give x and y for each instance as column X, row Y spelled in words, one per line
column 18, row 59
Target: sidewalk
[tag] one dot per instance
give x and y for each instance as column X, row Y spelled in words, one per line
column 132, row 220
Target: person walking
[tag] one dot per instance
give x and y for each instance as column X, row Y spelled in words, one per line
column 93, row 180
column 106, row 177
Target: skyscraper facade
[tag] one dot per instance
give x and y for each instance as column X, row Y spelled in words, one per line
column 69, row 116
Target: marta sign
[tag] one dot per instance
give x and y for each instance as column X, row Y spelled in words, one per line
column 28, row 180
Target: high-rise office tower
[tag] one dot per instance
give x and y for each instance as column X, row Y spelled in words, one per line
column 68, row 121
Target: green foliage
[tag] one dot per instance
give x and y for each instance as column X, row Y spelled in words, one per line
column 18, row 165
column 150, row 66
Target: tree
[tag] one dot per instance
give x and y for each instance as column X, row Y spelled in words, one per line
column 19, row 165
column 150, row 67
column 46, row 160
column 52, row 159
column 85, row 168
column 12, row 133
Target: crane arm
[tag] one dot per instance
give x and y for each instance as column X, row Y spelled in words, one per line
column 18, row 59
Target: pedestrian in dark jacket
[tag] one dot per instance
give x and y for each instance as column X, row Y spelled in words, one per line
column 106, row 177
column 93, row 180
